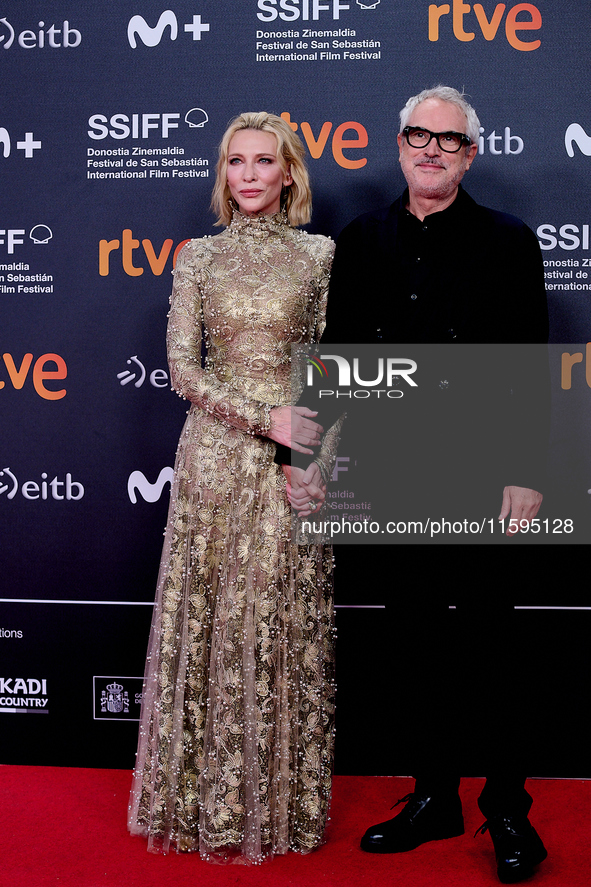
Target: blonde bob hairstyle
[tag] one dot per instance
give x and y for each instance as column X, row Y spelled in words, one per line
column 296, row 198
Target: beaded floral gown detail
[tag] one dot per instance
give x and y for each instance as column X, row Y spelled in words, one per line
column 236, row 736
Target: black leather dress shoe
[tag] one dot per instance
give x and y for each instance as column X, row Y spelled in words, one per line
column 423, row 819
column 518, row 847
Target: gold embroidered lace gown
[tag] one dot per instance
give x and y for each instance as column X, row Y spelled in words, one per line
column 236, row 737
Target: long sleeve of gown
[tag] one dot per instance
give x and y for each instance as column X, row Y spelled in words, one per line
column 184, row 340
column 325, row 456
column 331, row 417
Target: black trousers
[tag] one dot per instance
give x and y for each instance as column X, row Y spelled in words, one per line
column 459, row 675
column 503, row 794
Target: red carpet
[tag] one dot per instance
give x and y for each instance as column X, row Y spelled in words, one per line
column 66, row 827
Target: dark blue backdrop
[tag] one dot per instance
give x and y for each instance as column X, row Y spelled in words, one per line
column 109, row 119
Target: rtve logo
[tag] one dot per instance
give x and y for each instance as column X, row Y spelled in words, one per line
column 18, row 375
column 567, row 363
column 127, row 246
column 138, row 27
column 317, row 144
column 53, row 37
column 532, row 21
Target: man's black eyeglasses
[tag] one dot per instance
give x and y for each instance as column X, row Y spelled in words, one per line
column 450, row 142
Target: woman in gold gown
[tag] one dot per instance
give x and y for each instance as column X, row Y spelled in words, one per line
column 236, row 737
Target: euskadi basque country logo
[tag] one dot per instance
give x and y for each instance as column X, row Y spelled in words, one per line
column 576, row 135
column 117, row 699
column 24, row 696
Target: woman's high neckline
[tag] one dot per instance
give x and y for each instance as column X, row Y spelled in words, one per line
column 258, row 224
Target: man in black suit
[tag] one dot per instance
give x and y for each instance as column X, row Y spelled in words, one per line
column 435, row 267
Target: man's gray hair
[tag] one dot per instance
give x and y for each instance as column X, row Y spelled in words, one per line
column 444, row 94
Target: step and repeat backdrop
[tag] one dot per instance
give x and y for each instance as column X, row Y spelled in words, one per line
column 110, row 116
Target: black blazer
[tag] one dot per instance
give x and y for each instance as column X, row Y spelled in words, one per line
column 482, row 283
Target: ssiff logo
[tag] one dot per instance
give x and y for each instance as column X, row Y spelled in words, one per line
column 292, row 10
column 12, row 237
column 146, row 125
